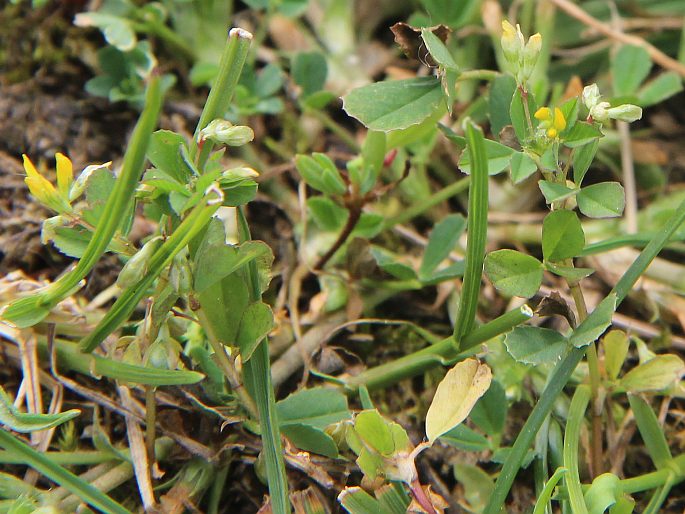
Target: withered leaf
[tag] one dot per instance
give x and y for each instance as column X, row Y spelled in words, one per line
column 408, row 38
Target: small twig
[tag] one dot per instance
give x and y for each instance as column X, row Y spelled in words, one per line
column 355, row 213
column 628, row 166
column 655, row 54
column 139, row 457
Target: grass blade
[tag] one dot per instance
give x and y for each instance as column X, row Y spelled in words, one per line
column 59, row 475
column 257, row 376
column 477, row 228
column 576, row 415
column 651, row 432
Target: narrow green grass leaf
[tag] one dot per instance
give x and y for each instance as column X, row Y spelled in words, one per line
column 595, row 324
column 59, row 475
column 257, row 378
column 477, row 224
column 546, row 494
column 651, row 431
column 576, row 416
column 18, row 421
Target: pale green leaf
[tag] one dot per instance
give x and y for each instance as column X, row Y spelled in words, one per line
column 456, row 395
column 19, row 421
column 656, row 374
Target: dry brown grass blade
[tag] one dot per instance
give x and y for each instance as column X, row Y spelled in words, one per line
column 139, row 457
column 655, row 54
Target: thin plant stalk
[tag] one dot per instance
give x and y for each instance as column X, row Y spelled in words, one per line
column 437, row 354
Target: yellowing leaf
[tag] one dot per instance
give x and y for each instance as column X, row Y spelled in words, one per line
column 456, row 395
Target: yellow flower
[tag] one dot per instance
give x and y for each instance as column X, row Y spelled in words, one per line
column 551, row 123
column 43, row 190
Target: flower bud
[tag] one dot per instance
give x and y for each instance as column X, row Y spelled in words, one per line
column 224, row 132
column 512, row 43
column 600, row 112
column 531, row 52
column 240, row 173
column 137, row 266
column 591, row 96
column 625, row 112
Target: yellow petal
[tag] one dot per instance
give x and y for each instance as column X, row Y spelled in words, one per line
column 29, row 168
column 543, row 114
column 65, row 174
column 552, row 133
column 559, row 120
column 40, row 187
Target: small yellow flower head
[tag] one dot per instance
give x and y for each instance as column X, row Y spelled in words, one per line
column 551, row 122
column 42, row 189
column 65, row 174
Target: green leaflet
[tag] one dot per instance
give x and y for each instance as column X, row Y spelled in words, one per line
column 23, row 422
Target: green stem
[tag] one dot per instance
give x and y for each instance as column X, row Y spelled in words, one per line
column 230, row 67
column 546, row 494
column 41, row 463
column 478, row 75
column 576, row 415
column 217, row 490
column 257, row 379
column 562, row 372
column 477, row 231
column 166, row 34
column 435, row 355
column 428, row 203
column 334, row 127
column 63, row 458
column 656, row 478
